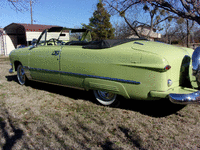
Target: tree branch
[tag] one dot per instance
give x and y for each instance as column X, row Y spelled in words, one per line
column 190, row 13
column 169, row 17
column 122, row 14
column 15, row 6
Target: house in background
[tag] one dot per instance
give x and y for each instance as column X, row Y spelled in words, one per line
column 144, row 31
column 16, row 34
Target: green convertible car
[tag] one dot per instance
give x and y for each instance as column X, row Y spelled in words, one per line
column 132, row 68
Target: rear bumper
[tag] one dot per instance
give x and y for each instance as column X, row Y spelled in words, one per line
column 179, row 95
column 192, row 98
column 11, row 70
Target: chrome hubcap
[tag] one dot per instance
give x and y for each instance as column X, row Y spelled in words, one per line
column 21, row 75
column 107, row 96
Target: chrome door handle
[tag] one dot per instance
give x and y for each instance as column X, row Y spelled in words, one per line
column 55, row 53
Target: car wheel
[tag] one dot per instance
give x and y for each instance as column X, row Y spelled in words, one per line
column 106, row 98
column 21, row 75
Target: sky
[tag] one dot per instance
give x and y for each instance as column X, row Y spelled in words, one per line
column 67, row 13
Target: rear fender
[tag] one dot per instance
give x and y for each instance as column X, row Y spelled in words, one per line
column 104, row 85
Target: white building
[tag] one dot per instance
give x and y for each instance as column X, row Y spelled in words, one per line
column 21, row 34
column 144, row 31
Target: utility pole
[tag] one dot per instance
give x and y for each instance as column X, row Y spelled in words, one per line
column 31, row 11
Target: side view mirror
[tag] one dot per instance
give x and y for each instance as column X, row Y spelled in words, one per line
column 33, row 42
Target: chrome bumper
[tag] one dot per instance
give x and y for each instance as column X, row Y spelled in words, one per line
column 11, row 70
column 192, row 98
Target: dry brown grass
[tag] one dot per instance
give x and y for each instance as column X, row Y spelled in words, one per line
column 42, row 116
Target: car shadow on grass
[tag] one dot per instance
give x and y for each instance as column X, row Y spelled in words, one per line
column 10, row 141
column 153, row 108
column 156, row 108
column 61, row 90
column 12, row 78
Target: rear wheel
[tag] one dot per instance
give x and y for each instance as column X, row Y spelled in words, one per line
column 21, row 75
column 106, row 98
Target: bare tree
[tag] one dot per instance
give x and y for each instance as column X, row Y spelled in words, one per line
column 180, row 32
column 156, row 15
column 122, row 30
column 167, row 25
column 189, row 9
column 19, row 5
column 121, row 7
column 22, row 5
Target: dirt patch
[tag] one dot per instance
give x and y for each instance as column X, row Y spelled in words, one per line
column 43, row 116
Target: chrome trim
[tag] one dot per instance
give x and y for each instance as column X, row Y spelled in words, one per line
column 85, row 75
column 138, row 43
column 21, row 75
column 56, row 53
column 196, row 64
column 11, row 70
column 68, row 86
column 192, row 98
column 196, row 60
column 169, row 82
column 106, row 96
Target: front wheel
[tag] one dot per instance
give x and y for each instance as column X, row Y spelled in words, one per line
column 106, row 98
column 21, row 75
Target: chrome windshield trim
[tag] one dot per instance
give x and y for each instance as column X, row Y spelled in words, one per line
column 192, row 98
column 196, row 59
column 85, row 75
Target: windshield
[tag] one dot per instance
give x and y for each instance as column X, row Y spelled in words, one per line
column 53, row 38
column 62, row 36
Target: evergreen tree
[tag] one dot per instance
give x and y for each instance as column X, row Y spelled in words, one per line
column 100, row 25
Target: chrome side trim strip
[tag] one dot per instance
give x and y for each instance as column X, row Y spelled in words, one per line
column 85, row 75
column 99, row 77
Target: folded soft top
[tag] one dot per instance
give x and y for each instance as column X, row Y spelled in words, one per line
column 108, row 43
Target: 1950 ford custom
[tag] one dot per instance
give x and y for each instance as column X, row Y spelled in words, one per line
column 133, row 68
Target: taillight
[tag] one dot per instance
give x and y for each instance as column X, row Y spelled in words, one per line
column 167, row 67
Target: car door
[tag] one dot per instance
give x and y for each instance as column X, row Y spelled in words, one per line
column 44, row 63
